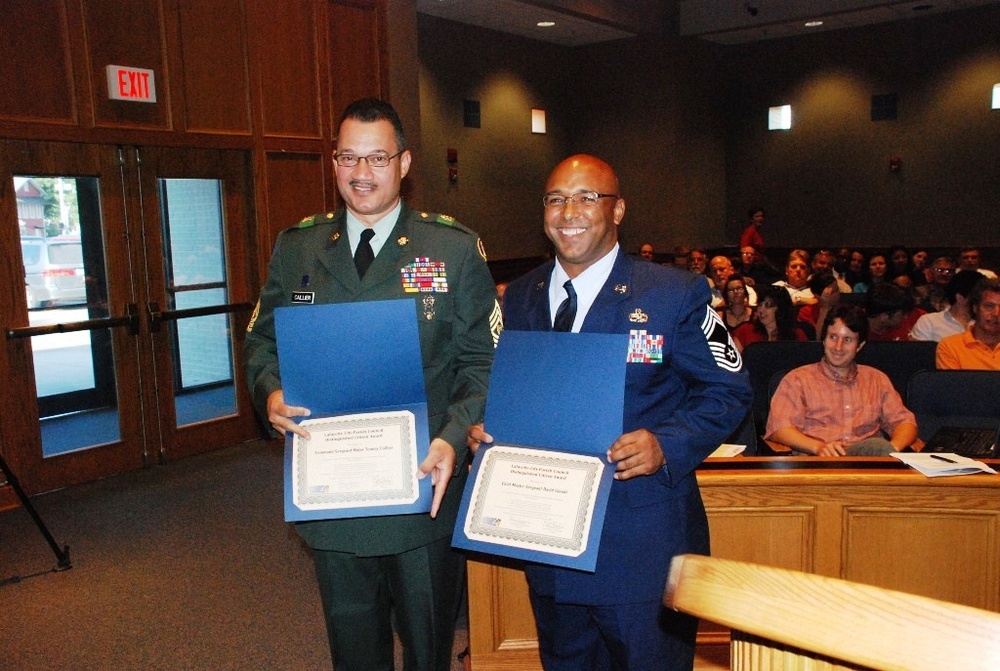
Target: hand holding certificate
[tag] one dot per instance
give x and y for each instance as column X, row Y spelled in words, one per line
column 544, row 499
column 366, row 441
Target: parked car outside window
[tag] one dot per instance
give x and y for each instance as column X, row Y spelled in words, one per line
column 53, row 271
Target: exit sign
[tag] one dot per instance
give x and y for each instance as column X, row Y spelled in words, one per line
column 132, row 84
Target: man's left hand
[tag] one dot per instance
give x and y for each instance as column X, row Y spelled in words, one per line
column 636, row 453
column 439, row 464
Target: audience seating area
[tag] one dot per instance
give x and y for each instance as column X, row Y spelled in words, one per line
column 965, row 398
column 936, row 397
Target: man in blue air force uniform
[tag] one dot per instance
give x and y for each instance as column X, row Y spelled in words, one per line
column 374, row 572
column 685, row 392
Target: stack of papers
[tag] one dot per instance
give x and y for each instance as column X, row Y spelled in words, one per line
column 937, row 464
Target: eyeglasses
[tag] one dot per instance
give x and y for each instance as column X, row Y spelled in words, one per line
column 582, row 199
column 944, row 271
column 373, row 160
column 736, row 290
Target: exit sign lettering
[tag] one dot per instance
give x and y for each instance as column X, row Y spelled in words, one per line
column 131, row 84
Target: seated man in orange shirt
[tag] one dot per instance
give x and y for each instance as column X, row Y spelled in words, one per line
column 836, row 407
column 979, row 346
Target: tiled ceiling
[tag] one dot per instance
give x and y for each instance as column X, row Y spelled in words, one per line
column 721, row 21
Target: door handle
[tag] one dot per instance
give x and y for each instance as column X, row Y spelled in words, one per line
column 157, row 316
column 130, row 320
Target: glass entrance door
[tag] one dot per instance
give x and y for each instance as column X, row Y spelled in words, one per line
column 122, row 348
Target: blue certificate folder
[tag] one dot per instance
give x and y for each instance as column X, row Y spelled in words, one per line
column 348, row 358
column 558, row 392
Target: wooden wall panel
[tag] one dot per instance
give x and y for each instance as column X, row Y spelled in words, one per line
column 285, row 55
column 773, row 536
column 132, row 34
column 294, row 189
column 951, row 554
column 36, row 68
column 216, row 89
column 354, row 30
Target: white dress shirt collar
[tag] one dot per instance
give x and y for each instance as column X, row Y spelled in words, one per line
column 587, row 285
column 383, row 227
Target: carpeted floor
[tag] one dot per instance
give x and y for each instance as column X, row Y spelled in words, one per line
column 184, row 566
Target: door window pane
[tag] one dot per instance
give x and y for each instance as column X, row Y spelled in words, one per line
column 62, row 250
column 201, row 346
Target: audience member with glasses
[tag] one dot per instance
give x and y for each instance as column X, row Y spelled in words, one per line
column 736, row 309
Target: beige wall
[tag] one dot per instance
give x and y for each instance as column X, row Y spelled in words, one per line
column 684, row 123
column 827, row 181
column 502, row 166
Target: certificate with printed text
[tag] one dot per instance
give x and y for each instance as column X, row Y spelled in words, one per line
column 540, row 492
column 351, row 461
column 368, row 422
column 535, row 499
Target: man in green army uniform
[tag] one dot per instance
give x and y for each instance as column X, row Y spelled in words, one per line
column 374, row 572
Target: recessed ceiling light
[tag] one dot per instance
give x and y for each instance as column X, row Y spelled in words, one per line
column 545, row 24
column 813, row 24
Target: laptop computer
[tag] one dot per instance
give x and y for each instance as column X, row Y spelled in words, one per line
column 973, row 443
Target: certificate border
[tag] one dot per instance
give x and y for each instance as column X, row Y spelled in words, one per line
column 577, row 544
column 407, row 494
column 423, row 503
column 587, row 561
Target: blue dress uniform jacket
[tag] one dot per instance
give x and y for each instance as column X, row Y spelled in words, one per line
column 691, row 401
column 456, row 344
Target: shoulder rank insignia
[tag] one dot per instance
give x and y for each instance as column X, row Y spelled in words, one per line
column 310, row 221
column 445, row 219
column 726, row 356
column 638, row 316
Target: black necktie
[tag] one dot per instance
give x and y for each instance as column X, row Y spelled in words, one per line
column 566, row 313
column 363, row 255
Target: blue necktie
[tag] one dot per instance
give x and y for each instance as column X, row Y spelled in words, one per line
column 566, row 314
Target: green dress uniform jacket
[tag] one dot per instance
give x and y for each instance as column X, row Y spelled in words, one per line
column 458, row 325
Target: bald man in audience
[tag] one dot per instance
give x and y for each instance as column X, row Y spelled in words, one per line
column 720, row 270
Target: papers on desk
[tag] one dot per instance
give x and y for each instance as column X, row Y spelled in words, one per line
column 727, row 450
column 938, row 464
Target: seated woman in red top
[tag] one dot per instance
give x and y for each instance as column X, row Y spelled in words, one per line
column 736, row 308
column 775, row 320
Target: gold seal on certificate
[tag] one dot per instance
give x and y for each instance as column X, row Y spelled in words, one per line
column 355, row 461
column 535, row 499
